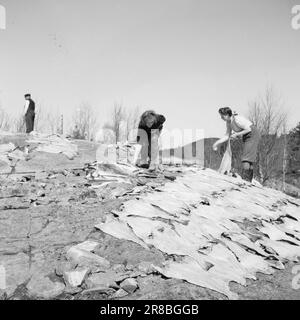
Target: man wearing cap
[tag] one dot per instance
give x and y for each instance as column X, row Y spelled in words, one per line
column 29, row 113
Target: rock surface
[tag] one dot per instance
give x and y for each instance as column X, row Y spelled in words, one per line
column 45, row 288
column 129, row 285
column 105, row 280
column 76, row 277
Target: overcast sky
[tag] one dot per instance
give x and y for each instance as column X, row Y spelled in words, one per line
column 182, row 58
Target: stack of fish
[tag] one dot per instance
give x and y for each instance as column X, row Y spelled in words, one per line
column 12, row 152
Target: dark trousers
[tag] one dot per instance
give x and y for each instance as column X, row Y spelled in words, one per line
column 29, row 120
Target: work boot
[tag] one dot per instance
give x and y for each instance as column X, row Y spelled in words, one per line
column 143, row 165
column 155, row 167
column 247, row 175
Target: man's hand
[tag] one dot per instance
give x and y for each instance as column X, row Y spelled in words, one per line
column 215, row 147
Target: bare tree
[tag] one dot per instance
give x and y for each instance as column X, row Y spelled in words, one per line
column 39, row 119
column 116, row 124
column 267, row 113
column 285, row 157
column 52, row 122
column 5, row 121
column 19, row 124
column 85, row 120
column 123, row 122
column 132, row 118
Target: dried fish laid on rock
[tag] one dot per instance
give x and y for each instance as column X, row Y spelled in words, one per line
column 190, row 232
column 182, row 192
column 246, row 242
column 189, row 270
column 164, row 237
column 220, row 181
column 204, row 189
column 254, row 196
column 209, row 228
column 291, row 224
column 247, row 209
column 142, row 208
column 251, row 262
column 219, row 215
column 113, row 170
column 120, row 230
column 284, row 249
column 276, row 234
column 293, row 212
column 226, row 265
column 289, row 232
column 167, row 202
column 53, row 144
column 112, row 190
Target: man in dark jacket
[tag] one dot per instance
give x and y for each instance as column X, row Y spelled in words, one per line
column 150, row 127
column 29, row 113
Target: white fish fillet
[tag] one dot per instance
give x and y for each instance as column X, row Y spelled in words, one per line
column 227, row 266
column 291, row 224
column 120, row 230
column 283, row 249
column 246, row 242
column 219, row 215
column 190, row 271
column 167, row 202
column 251, row 262
column 275, row 234
column 143, row 209
column 163, row 237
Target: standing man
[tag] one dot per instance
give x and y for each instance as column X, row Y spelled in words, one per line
column 29, row 113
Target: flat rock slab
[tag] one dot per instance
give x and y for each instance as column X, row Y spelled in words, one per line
column 121, row 293
column 45, row 288
column 15, row 271
column 86, row 258
column 76, row 277
column 105, row 280
column 129, row 285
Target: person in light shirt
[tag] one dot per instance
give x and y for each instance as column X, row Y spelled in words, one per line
column 239, row 126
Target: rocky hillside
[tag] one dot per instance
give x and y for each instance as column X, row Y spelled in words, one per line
column 114, row 232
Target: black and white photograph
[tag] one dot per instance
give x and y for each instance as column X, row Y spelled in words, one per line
column 149, row 151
